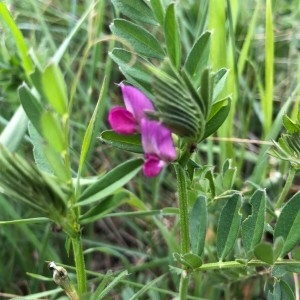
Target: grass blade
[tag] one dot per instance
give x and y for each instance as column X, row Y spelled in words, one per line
column 88, row 134
column 111, row 181
column 115, row 281
column 18, row 38
column 267, row 100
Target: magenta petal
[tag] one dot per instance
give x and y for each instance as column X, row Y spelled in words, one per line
column 135, row 101
column 157, row 139
column 152, row 166
column 122, row 121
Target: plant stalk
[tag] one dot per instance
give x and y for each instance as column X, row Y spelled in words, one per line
column 79, row 264
column 183, row 287
column 183, row 209
column 184, row 226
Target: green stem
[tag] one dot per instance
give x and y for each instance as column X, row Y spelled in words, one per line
column 252, row 263
column 183, row 209
column 79, row 264
column 286, row 188
column 184, row 226
column 183, row 287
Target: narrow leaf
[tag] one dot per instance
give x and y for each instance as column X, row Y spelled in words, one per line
column 253, row 226
column 107, row 278
column 172, row 36
column 228, row 179
column 158, row 11
column 131, row 65
column 52, row 131
column 219, row 82
column 89, row 132
column 104, row 207
column 228, row 226
column 146, row 287
column 206, row 90
column 197, row 58
column 218, row 115
column 288, row 224
column 142, row 41
column 39, row 295
column 55, row 88
column 113, row 283
column 137, row 10
column 31, row 106
column 26, row 221
column 38, row 149
column 131, row 143
column 111, row 181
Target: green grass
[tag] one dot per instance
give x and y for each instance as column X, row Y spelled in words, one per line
column 256, row 40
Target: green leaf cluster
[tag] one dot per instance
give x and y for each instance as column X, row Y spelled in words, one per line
column 184, row 89
column 49, row 187
column 286, row 234
column 44, row 193
column 242, row 236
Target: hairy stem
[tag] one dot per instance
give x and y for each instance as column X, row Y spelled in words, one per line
column 79, row 264
column 183, row 287
column 183, row 209
column 184, row 226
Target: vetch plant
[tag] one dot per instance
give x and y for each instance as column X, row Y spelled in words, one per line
column 221, row 238
column 185, row 92
column 186, row 106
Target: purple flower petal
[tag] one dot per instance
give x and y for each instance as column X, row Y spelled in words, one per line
column 153, row 165
column 136, row 102
column 122, row 121
column 157, row 139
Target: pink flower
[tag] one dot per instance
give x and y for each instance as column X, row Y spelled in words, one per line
column 158, row 147
column 157, row 140
column 127, row 120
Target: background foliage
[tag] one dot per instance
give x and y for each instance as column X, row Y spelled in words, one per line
column 136, row 227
